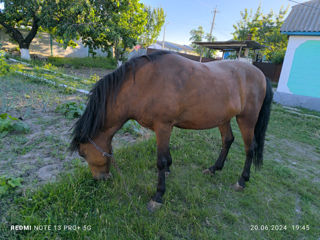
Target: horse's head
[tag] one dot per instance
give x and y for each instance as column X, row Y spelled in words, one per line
column 98, row 158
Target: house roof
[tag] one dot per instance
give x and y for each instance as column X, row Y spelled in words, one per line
column 175, row 46
column 303, row 18
column 231, row 45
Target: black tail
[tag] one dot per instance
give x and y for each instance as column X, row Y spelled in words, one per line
column 261, row 126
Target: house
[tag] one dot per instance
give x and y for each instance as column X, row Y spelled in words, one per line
column 299, row 83
column 173, row 47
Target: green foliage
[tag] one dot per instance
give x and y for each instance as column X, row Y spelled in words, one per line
column 277, row 56
column 9, row 183
column 71, row 109
column 11, row 124
column 19, row 14
column 96, row 62
column 155, row 21
column 131, row 127
column 5, row 68
column 94, row 78
column 263, row 28
column 117, row 24
column 198, row 35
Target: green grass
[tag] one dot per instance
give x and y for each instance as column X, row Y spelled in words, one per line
column 24, row 94
column 196, row 206
column 89, row 62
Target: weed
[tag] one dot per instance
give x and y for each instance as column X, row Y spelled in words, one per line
column 131, row 127
column 11, row 124
column 8, row 183
column 5, row 68
column 71, row 109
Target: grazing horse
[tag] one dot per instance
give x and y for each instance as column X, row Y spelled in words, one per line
column 165, row 90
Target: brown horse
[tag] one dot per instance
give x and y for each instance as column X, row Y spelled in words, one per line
column 164, row 90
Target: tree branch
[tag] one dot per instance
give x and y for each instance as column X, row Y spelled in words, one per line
column 34, row 30
column 15, row 34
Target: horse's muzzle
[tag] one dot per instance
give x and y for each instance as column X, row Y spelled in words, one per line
column 102, row 176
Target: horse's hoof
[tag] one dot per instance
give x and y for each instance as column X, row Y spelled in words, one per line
column 207, row 172
column 167, row 174
column 237, row 187
column 153, row 206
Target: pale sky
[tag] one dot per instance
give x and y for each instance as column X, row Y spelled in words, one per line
column 185, row 15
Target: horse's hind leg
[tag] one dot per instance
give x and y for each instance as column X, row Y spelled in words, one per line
column 169, row 162
column 163, row 133
column 227, row 139
column 246, row 126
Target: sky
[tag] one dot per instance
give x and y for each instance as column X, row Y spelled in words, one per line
column 184, row 15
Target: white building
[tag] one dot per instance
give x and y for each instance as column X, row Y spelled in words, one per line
column 299, row 83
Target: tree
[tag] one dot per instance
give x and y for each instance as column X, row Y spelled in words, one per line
column 155, row 21
column 20, row 14
column 196, row 36
column 263, row 28
column 117, row 25
column 99, row 23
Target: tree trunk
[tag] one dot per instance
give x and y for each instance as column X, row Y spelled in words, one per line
column 24, row 43
column 25, row 53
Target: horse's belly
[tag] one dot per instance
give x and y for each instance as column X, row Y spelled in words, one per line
column 203, row 120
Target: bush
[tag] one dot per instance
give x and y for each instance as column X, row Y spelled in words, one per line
column 5, row 68
column 277, row 56
column 8, row 183
column 71, row 109
column 11, row 124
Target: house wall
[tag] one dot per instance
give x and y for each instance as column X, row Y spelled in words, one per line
column 299, row 83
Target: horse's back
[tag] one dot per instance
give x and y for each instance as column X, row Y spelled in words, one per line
column 194, row 95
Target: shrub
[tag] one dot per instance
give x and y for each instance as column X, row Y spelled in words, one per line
column 8, row 183
column 5, row 68
column 277, row 57
column 11, row 124
column 71, row 109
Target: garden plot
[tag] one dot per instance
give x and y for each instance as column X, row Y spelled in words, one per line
column 41, row 153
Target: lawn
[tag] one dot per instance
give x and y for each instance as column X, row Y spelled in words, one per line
column 93, row 62
column 281, row 201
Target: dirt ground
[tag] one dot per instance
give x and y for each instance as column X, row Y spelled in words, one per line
column 86, row 72
column 41, row 154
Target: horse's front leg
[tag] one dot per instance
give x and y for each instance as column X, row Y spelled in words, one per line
column 163, row 133
column 227, row 139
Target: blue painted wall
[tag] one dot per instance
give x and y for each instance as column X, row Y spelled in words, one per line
column 304, row 78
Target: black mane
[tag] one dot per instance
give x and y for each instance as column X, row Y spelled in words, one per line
column 93, row 118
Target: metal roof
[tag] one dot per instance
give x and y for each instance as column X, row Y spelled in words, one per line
column 231, row 45
column 304, row 17
column 175, row 46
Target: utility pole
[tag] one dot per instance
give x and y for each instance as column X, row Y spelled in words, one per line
column 164, row 34
column 214, row 17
